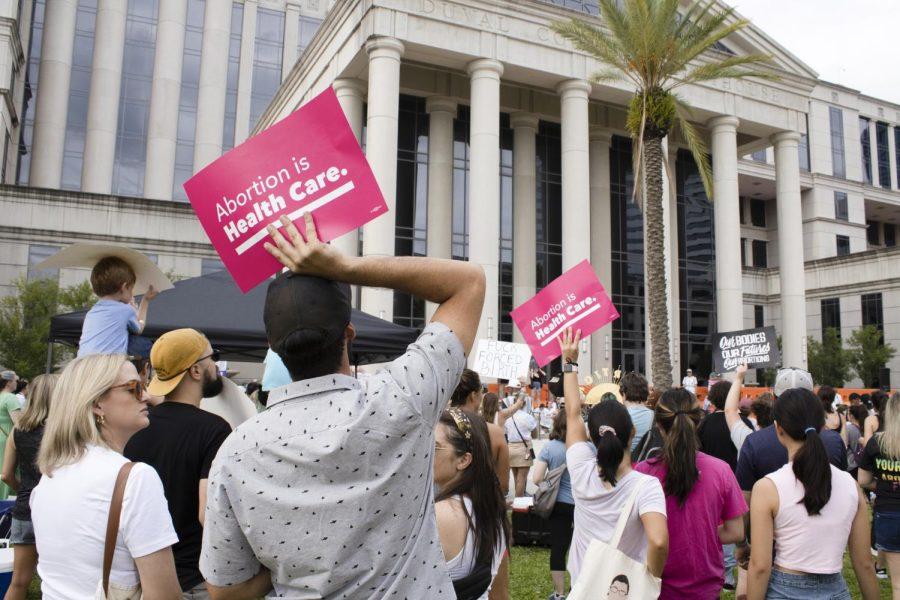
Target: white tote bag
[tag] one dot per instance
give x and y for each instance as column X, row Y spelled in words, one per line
column 608, row 573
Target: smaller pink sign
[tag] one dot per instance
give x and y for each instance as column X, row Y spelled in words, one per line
column 574, row 299
column 309, row 161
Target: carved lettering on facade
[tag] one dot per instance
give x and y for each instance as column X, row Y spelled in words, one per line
column 466, row 15
column 750, row 90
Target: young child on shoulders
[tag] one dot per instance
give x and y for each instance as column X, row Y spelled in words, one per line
column 115, row 317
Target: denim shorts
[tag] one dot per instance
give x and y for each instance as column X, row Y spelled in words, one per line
column 21, row 533
column 886, row 531
column 788, row 586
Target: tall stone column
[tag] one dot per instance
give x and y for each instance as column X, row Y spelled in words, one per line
column 245, row 73
column 350, row 94
column 52, row 105
column 381, row 152
column 729, row 277
column 525, row 126
column 165, row 96
column 484, row 184
column 103, row 102
column 213, row 82
column 291, row 36
column 439, row 235
column 791, row 272
column 576, row 187
column 601, row 237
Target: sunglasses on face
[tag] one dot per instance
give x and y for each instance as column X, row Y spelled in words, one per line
column 135, row 386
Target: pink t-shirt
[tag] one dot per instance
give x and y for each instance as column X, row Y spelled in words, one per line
column 695, row 565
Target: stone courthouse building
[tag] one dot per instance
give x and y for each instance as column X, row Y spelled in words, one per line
column 490, row 144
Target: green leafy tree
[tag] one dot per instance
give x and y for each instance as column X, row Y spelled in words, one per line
column 655, row 48
column 25, row 322
column 829, row 362
column 869, row 353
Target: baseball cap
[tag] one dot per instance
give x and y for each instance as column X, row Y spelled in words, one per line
column 8, row 375
column 171, row 356
column 303, row 310
column 789, row 378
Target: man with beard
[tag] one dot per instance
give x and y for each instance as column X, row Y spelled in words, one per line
column 182, row 440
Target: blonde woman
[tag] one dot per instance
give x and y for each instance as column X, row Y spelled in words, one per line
column 21, row 453
column 97, row 405
column 878, row 468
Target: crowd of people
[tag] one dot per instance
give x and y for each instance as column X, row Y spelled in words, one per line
column 397, row 485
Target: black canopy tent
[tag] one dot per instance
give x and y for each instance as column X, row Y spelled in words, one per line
column 233, row 321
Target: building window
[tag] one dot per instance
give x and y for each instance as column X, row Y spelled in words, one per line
column 757, row 213
column 627, row 229
column 890, row 235
column 134, row 99
column 803, row 150
column 231, row 86
column 37, row 254
column 460, row 231
column 505, row 291
column 28, row 101
column 841, row 212
column 872, row 233
column 187, row 104
column 210, row 265
column 883, row 154
column 744, row 253
column 872, row 312
column 411, row 223
column 759, row 155
column 79, row 91
column 308, row 28
column 897, row 153
column 831, row 316
column 742, row 210
column 759, row 316
column 843, row 245
column 760, row 255
column 266, row 60
column 549, row 203
column 838, row 165
column 866, row 149
column 696, row 267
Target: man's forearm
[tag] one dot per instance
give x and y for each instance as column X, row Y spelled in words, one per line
column 432, row 279
column 257, row 586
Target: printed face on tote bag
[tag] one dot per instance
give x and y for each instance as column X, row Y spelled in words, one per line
column 618, row 589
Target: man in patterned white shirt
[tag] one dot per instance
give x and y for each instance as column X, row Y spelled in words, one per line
column 328, row 493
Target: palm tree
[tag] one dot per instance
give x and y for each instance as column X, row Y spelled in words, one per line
column 657, row 49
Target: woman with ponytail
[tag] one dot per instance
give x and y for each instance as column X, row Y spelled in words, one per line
column 603, row 480
column 704, row 503
column 809, row 510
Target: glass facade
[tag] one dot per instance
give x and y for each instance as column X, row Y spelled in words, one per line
column 841, row 212
column 412, row 200
column 897, row 153
column 266, row 60
column 865, row 149
column 760, row 253
column 831, row 315
column 549, row 203
column 890, row 235
column 696, row 267
column 883, row 154
column 187, row 105
column 873, row 230
column 872, row 311
column 627, row 227
column 79, row 91
column 842, row 243
column 234, row 67
column 803, row 149
column 37, row 254
column 759, row 316
column 505, row 299
column 460, row 232
column 26, row 134
column 134, row 99
column 757, row 212
column 308, row 28
column 838, row 164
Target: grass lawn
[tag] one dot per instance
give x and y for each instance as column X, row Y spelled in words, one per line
column 530, row 577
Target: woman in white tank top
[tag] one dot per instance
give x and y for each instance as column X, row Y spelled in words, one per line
column 809, row 510
column 469, row 506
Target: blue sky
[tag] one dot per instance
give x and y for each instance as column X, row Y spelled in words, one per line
column 855, row 43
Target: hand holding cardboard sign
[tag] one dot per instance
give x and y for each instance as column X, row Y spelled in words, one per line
column 568, row 344
column 311, row 256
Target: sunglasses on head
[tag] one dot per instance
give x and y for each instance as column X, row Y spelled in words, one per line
column 135, row 386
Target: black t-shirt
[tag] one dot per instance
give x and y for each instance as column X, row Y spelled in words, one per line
column 181, row 443
column 887, row 476
column 27, row 445
column 715, row 438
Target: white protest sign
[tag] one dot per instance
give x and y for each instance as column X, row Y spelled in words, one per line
column 502, row 360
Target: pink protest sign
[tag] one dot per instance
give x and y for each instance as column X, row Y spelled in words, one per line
column 574, row 299
column 308, row 162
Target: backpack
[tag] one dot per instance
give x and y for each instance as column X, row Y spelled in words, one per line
column 545, row 496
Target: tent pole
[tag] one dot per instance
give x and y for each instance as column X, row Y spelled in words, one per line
column 49, row 357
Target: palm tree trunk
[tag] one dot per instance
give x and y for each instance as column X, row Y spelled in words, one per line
column 655, row 264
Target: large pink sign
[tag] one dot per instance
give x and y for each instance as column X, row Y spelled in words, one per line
column 574, row 299
column 308, row 162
